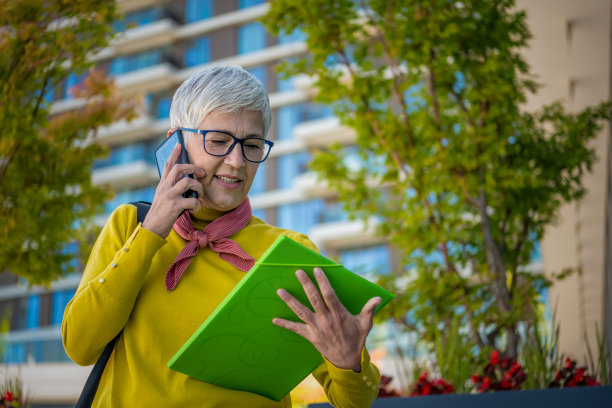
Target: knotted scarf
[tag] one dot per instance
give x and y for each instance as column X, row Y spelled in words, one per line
column 215, row 235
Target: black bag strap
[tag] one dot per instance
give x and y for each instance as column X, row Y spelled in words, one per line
column 91, row 385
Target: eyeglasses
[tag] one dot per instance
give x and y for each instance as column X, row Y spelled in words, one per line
column 219, row 143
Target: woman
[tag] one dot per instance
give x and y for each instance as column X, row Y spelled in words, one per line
column 156, row 282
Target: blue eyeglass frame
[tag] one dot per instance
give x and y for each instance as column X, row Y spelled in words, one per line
column 236, row 140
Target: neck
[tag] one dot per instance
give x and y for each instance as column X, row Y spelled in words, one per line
column 207, row 214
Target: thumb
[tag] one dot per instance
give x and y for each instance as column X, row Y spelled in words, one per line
column 367, row 312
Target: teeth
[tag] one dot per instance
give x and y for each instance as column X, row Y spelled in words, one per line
column 228, row 180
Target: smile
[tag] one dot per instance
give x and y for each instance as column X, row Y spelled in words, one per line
column 228, row 180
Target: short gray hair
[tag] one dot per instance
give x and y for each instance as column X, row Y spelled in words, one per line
column 226, row 90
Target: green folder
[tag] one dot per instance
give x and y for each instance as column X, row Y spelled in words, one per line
column 238, row 347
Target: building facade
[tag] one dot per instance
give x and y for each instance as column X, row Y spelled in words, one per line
column 163, row 43
column 571, row 55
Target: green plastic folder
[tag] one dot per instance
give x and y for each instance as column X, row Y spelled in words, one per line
column 238, row 347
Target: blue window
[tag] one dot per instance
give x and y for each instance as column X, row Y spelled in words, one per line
column 15, row 353
column 138, row 18
column 249, row 3
column 163, row 108
column 72, row 249
column 260, row 213
column 33, row 319
column 48, row 97
column 259, row 183
column 290, row 166
column 59, row 302
column 260, row 73
column 71, row 81
column 289, row 116
column 128, row 196
column 251, row 37
column 334, row 213
column 198, row 52
column 536, row 252
column 300, row 217
column 295, row 36
column 129, row 153
column 367, row 260
column 135, row 62
column 196, row 10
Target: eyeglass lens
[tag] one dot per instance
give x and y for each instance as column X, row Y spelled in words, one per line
column 218, row 144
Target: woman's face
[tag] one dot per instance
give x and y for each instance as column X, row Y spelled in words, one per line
column 228, row 178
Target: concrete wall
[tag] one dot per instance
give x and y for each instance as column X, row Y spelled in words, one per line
column 570, row 52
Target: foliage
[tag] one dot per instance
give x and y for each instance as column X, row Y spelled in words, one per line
column 539, row 352
column 12, row 395
column 466, row 180
column 454, row 357
column 601, row 364
column 46, row 193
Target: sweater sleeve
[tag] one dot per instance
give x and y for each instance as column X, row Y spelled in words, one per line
column 113, row 276
column 346, row 388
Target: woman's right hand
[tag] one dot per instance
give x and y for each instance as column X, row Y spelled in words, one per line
column 169, row 203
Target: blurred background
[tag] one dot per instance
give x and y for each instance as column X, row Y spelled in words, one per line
column 161, row 43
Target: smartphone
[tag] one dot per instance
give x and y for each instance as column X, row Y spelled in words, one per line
column 163, row 152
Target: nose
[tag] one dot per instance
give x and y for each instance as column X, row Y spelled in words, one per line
column 235, row 157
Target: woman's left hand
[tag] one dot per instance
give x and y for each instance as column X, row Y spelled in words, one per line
column 338, row 335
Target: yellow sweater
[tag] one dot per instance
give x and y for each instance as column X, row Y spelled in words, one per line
column 123, row 288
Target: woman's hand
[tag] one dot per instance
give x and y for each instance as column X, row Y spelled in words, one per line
column 332, row 329
column 169, row 202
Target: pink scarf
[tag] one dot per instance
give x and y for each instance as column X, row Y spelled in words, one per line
column 214, row 236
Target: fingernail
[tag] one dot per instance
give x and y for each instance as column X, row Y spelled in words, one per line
column 200, row 172
column 318, row 271
column 300, row 273
column 281, row 292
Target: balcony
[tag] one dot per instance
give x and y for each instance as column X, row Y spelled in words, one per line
column 152, row 35
column 252, row 59
column 155, row 78
column 125, row 132
column 287, row 146
column 232, row 18
column 289, row 97
column 323, row 132
column 311, row 187
column 341, row 235
column 276, row 198
column 136, row 173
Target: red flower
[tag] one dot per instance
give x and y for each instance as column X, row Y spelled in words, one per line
column 494, row 357
column 425, row 386
column 8, row 396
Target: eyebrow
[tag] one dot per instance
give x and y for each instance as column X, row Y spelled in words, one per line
column 257, row 135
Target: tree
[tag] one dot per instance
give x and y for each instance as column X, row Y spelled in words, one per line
column 46, row 195
column 467, row 179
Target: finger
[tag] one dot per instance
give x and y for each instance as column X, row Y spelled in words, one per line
column 185, row 184
column 327, row 291
column 301, row 311
column 179, row 171
column 311, row 292
column 171, row 161
column 298, row 328
column 367, row 312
